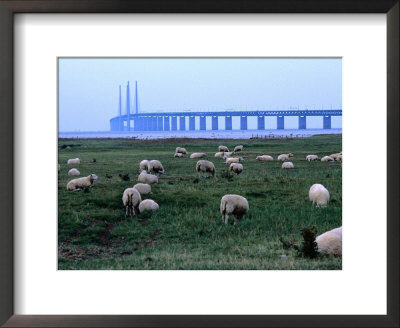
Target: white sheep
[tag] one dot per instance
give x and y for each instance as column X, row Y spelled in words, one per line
column 228, row 154
column 85, row 182
column 74, row 171
column 180, row 150
column 236, row 168
column 312, row 158
column 131, row 200
column 327, row 159
column 155, row 166
column 205, row 166
column 319, row 195
column 143, row 188
column 339, row 158
column 335, row 156
column 147, row 178
column 223, row 148
column 143, row 165
column 235, row 205
column 264, row 158
column 287, row 165
column 231, row 160
column 238, row 148
column 330, row 242
column 148, row 204
column 179, row 155
column 220, row 154
column 198, row 155
column 284, row 157
column 74, row 161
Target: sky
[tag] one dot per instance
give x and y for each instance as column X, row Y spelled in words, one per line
column 89, row 87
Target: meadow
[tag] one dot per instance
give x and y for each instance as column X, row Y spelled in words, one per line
column 187, row 232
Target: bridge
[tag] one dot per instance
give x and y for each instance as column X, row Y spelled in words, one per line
column 168, row 121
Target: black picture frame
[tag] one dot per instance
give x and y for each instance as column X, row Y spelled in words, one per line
column 10, row 7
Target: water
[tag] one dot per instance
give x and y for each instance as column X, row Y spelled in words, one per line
column 223, row 134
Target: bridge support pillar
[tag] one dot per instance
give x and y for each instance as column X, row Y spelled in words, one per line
column 280, row 122
column 166, row 123
column 182, row 123
column 228, row 122
column 302, row 122
column 148, row 123
column 215, row 122
column 159, row 123
column 243, row 122
column 192, row 123
column 202, row 122
column 154, row 123
column 327, row 122
column 174, row 123
column 261, row 123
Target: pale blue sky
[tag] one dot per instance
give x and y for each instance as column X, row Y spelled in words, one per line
column 89, row 87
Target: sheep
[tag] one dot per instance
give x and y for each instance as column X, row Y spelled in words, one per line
column 238, row 148
column 287, row 165
column 74, row 161
column 80, row 183
column 319, row 195
column 264, row 158
column 223, row 148
column 155, row 166
column 284, row 157
column 143, row 165
column 339, row 158
column 235, row 205
column 330, row 242
column 73, row 172
column 198, row 155
column 148, row 204
column 143, row 188
column 236, row 168
column 147, row 178
column 220, row 154
column 335, row 156
column 312, row 158
column 178, row 155
column 228, row 154
column 205, row 166
column 327, row 159
column 131, row 200
column 231, row 160
column 180, row 150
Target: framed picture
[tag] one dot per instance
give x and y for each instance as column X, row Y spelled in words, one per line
column 59, row 71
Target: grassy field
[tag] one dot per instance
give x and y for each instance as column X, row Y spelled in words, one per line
column 187, row 231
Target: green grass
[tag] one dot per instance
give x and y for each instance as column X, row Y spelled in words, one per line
column 187, row 231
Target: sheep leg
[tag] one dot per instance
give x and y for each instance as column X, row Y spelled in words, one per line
column 77, row 189
column 226, row 218
column 126, row 211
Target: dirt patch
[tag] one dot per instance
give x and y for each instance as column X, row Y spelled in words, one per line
column 152, row 240
column 104, row 238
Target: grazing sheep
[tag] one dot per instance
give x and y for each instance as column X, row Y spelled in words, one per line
column 74, row 161
column 319, row 195
column 80, row 183
column 73, row 172
column 284, row 157
column 143, row 188
column 335, row 156
column 238, row 148
column 339, row 158
column 179, row 155
column 223, row 148
column 148, row 204
column 155, row 166
column 143, row 165
column 180, row 150
column 236, row 168
column 228, row 154
column 231, row 160
column 205, row 166
column 327, row 159
column 312, row 158
column 330, row 242
column 147, row 178
column 287, row 165
column 131, row 199
column 264, row 158
column 219, row 154
column 235, row 205
column 198, row 155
